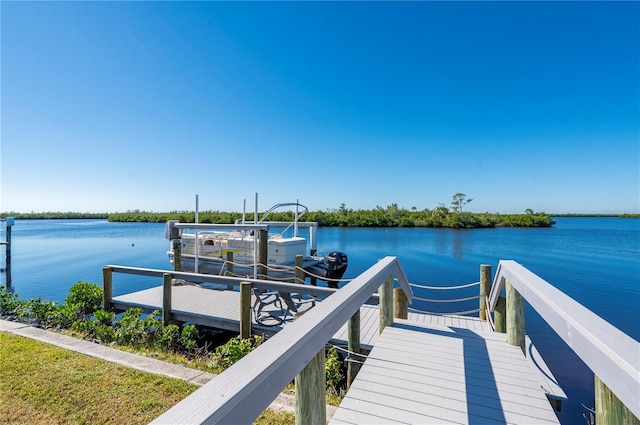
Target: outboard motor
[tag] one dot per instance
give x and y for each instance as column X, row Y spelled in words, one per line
column 336, row 266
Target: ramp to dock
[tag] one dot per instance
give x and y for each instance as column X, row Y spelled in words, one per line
column 422, row 373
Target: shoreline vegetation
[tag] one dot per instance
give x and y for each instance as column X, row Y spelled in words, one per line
column 391, row 216
column 442, row 216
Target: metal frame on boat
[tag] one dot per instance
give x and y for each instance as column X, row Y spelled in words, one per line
column 249, row 249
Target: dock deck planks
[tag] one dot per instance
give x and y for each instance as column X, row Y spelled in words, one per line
column 419, row 373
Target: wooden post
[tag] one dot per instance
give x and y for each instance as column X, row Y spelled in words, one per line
column 166, row 298
column 229, row 268
column 9, row 225
column 245, row 310
column 609, row 409
column 515, row 318
column 500, row 315
column 386, row 304
column 485, row 288
column 107, row 287
column 311, row 392
column 400, row 304
column 353, row 345
column 263, row 240
column 299, row 270
column 176, row 246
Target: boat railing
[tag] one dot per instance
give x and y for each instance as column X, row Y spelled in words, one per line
column 242, row 392
column 612, row 355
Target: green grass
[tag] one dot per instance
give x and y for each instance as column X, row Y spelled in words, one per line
column 44, row 384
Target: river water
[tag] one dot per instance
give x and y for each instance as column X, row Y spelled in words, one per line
column 596, row 261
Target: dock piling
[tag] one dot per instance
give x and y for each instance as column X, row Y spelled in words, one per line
column 400, row 304
column 166, row 298
column 311, row 392
column 386, row 304
column 353, row 345
column 485, row 288
column 107, row 287
column 515, row 318
column 245, row 310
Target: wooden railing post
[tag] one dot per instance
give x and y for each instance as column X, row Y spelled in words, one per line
column 107, row 287
column 386, row 304
column 176, row 247
column 166, row 298
column 353, row 345
column 515, row 318
column 609, row 409
column 299, row 270
column 500, row 315
column 263, row 240
column 400, row 304
column 485, row 288
column 245, row 310
column 229, row 268
column 311, row 392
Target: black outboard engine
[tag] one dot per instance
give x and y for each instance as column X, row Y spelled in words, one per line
column 336, row 266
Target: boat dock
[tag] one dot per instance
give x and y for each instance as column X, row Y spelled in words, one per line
column 418, row 367
column 219, row 308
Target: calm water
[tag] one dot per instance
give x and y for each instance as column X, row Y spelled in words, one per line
column 596, row 261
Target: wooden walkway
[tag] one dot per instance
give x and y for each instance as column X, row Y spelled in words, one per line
column 219, row 308
column 427, row 369
column 423, row 373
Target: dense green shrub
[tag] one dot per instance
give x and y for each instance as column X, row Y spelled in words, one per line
column 235, row 349
column 85, row 297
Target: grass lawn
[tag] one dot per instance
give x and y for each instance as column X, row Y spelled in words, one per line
column 44, row 384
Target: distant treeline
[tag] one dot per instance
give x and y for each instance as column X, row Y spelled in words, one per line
column 596, row 215
column 391, row 216
column 52, row 215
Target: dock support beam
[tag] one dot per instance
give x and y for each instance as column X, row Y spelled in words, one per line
column 263, row 241
column 386, row 304
column 245, row 310
column 353, row 345
column 311, row 392
column 166, row 298
column 229, row 271
column 299, row 270
column 609, row 409
column 515, row 318
column 400, row 304
column 107, row 287
column 485, row 288
column 176, row 247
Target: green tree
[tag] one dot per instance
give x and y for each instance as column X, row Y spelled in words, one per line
column 459, row 200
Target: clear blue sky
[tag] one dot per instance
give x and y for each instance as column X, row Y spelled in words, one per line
column 115, row 106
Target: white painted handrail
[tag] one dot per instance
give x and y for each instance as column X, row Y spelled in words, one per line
column 611, row 354
column 242, row 392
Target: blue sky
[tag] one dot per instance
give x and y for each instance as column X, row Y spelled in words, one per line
column 115, row 106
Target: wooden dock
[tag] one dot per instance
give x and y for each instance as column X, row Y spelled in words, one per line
column 425, row 373
column 420, row 369
column 219, row 308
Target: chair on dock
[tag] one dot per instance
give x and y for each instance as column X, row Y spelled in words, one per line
column 272, row 308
